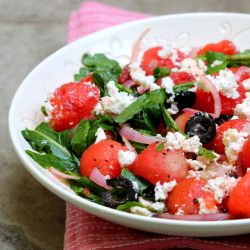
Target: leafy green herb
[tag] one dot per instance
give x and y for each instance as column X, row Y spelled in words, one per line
column 79, row 141
column 122, row 88
column 130, row 176
column 143, row 101
column 160, row 147
column 85, row 192
column 138, row 146
column 160, row 72
column 128, row 205
column 213, row 57
column 68, row 166
column 43, row 110
column 183, row 87
column 168, row 120
column 207, row 153
column 83, row 72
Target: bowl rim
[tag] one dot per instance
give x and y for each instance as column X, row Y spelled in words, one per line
column 48, row 183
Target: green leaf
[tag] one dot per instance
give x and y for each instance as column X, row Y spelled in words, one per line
column 207, row 153
column 86, row 194
column 214, row 56
column 43, row 110
column 183, row 87
column 130, row 176
column 45, row 139
column 83, row 72
column 139, row 147
column 79, row 141
column 128, row 205
column 47, row 160
column 122, row 88
column 143, row 101
column 168, row 120
column 160, row 72
column 160, row 147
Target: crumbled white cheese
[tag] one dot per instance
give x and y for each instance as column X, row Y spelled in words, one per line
column 203, row 207
column 126, row 158
column 216, row 63
column 226, row 83
column 196, row 165
column 220, row 186
column 141, row 211
column 169, row 51
column 139, row 75
column 196, row 68
column 98, row 110
column 156, row 206
column 100, row 135
column 174, row 140
column 179, row 212
column 246, row 84
column 173, row 109
column 168, row 84
column 233, row 141
column 192, row 145
column 116, row 101
column 242, row 110
column 161, row 191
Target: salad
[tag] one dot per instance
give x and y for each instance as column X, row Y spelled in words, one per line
column 167, row 135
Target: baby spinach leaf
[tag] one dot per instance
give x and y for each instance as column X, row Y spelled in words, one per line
column 213, row 57
column 143, row 101
column 48, row 160
column 79, row 141
column 128, row 205
column 160, row 147
column 45, row 139
column 207, row 153
column 168, row 120
column 139, row 147
column 83, row 72
column 130, row 176
column 160, row 72
column 183, row 87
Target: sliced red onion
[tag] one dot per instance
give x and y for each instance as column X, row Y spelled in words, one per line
column 128, row 145
column 141, row 90
column 129, row 83
column 99, row 178
column 246, row 128
column 242, row 70
column 193, row 52
column 207, row 85
column 136, row 48
column 133, row 135
column 62, row 175
column 197, row 217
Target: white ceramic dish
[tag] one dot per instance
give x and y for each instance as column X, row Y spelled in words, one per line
column 184, row 30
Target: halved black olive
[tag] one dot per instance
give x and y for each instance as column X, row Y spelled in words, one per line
column 131, row 192
column 222, row 118
column 185, row 99
column 201, row 124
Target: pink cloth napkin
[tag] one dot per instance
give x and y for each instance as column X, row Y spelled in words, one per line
column 85, row 231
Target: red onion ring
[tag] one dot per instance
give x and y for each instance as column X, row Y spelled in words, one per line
column 99, row 178
column 129, row 83
column 197, row 217
column 242, row 70
column 128, row 145
column 209, row 86
column 137, row 45
column 62, row 175
column 193, row 52
column 133, row 135
column 141, row 90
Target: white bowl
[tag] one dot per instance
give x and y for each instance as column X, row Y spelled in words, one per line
column 184, row 30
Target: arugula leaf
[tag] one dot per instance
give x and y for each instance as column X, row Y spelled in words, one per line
column 168, row 120
column 43, row 110
column 85, row 192
column 83, row 72
column 207, row 153
column 79, row 141
column 47, row 160
column 183, row 87
column 128, row 205
column 143, row 101
column 160, row 72
column 45, row 139
column 139, row 147
column 160, row 147
column 130, row 176
column 212, row 57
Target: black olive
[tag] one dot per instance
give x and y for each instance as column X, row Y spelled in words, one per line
column 185, row 99
column 149, row 193
column 201, row 124
column 131, row 192
column 222, row 118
